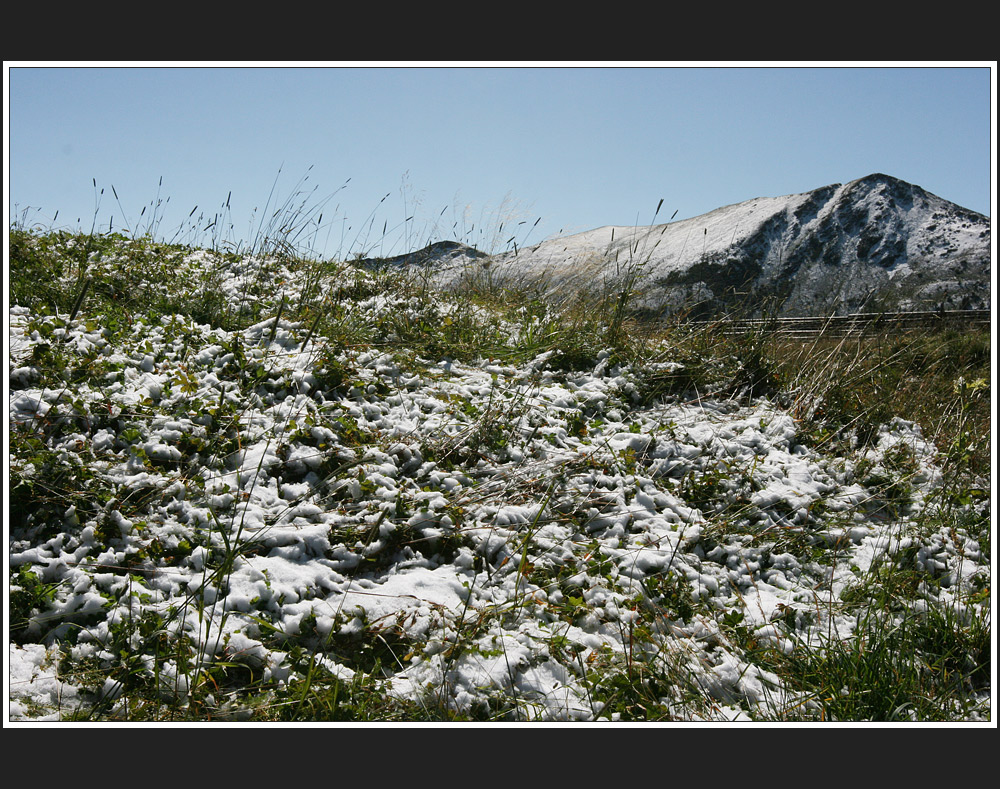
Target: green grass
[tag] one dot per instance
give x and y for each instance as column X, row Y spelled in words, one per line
column 919, row 666
column 916, row 653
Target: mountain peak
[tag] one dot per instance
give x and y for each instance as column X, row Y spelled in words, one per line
column 875, row 243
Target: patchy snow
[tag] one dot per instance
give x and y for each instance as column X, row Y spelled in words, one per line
column 502, row 527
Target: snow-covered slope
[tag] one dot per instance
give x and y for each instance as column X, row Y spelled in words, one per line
column 874, row 243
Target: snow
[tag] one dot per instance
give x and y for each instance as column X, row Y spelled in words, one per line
column 36, row 693
column 355, row 512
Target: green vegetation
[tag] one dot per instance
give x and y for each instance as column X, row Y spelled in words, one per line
column 100, row 478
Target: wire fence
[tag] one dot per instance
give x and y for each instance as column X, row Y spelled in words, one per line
column 855, row 325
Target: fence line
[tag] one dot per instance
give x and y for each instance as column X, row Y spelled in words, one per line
column 854, row 325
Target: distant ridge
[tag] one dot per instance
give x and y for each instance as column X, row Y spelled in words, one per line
column 441, row 254
column 876, row 243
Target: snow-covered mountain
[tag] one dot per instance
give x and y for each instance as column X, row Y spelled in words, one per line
column 872, row 244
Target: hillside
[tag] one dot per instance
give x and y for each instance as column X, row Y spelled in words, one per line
column 873, row 244
column 268, row 488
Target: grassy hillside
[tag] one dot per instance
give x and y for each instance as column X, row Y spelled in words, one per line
column 266, row 487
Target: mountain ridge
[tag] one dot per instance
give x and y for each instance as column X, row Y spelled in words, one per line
column 875, row 243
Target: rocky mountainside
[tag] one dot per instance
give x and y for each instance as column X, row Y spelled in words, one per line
column 873, row 244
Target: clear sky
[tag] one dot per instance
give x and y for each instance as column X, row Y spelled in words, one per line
column 461, row 149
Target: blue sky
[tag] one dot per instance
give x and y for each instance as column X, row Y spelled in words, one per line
column 463, row 149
